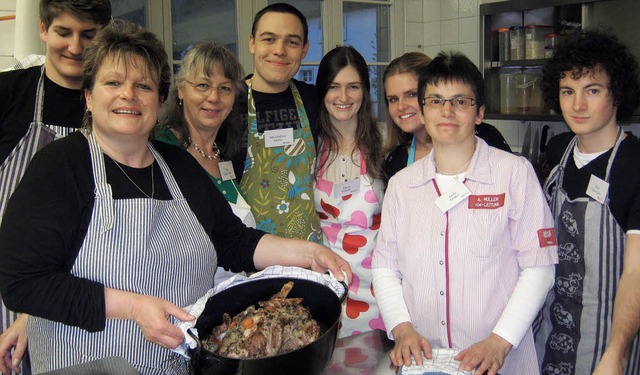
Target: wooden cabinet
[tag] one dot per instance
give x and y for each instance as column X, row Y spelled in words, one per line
column 510, row 81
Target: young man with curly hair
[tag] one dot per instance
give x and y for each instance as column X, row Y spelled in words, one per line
column 590, row 321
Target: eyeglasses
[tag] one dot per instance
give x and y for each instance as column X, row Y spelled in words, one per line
column 205, row 88
column 460, row 102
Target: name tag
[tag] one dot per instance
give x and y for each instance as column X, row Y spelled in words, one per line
column 346, row 188
column 456, row 194
column 226, row 171
column 278, row 137
column 597, row 189
column 486, row 202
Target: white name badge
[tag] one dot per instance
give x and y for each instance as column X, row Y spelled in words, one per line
column 597, row 189
column 278, row 137
column 456, row 194
column 346, row 188
column 226, row 171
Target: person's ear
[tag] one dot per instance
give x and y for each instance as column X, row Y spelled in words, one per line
column 305, row 49
column 480, row 115
column 87, row 99
column 252, row 44
column 43, row 32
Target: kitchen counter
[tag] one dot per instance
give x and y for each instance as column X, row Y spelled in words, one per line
column 365, row 353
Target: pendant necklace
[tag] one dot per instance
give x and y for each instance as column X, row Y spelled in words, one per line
column 153, row 185
column 216, row 150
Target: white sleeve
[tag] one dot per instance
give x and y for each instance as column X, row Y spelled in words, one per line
column 526, row 300
column 388, row 288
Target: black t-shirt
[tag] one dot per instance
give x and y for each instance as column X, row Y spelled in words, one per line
column 48, row 215
column 62, row 106
column 278, row 111
column 624, row 181
column 397, row 159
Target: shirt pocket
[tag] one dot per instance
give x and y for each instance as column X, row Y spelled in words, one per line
column 487, row 232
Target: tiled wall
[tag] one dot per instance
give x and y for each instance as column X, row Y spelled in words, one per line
column 7, row 8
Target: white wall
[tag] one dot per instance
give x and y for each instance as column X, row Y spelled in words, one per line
column 7, row 8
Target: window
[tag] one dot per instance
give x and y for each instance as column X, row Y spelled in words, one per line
column 306, row 75
column 364, row 24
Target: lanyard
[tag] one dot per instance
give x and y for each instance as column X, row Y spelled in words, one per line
column 412, row 152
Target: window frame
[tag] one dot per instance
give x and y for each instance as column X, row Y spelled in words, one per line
column 159, row 22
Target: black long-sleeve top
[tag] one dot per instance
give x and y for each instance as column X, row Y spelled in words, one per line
column 47, row 218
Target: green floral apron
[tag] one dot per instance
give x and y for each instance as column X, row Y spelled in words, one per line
column 278, row 182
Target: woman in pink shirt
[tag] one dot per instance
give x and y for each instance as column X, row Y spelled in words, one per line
column 466, row 248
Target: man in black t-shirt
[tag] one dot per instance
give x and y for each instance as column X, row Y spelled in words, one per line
column 280, row 127
column 42, row 103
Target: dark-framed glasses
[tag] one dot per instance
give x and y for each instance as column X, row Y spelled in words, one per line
column 205, row 88
column 460, row 102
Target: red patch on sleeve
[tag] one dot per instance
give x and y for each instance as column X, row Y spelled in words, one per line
column 547, row 237
column 486, row 202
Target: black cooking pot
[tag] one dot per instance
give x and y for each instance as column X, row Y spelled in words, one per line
column 323, row 303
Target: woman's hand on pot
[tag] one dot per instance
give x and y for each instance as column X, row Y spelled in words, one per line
column 13, row 344
column 150, row 313
column 324, row 259
column 408, row 343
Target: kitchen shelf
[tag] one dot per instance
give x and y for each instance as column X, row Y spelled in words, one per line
column 563, row 15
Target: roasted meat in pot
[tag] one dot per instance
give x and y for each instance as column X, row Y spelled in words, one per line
column 279, row 325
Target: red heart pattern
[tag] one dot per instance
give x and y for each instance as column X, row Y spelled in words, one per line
column 354, row 356
column 355, row 307
column 375, row 221
column 331, row 210
column 351, row 243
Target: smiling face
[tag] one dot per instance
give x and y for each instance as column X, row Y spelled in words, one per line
column 401, row 91
column 448, row 125
column 587, row 105
column 207, row 101
column 344, row 96
column 124, row 100
column 65, row 41
column 277, row 48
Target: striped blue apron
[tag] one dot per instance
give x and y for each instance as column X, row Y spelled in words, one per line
column 576, row 319
column 14, row 166
column 146, row 246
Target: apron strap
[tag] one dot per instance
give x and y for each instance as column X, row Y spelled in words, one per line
column 39, row 106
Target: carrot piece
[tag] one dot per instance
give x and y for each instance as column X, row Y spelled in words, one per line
column 247, row 323
column 233, row 324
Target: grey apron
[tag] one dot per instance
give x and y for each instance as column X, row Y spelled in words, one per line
column 14, row 166
column 146, row 246
column 575, row 324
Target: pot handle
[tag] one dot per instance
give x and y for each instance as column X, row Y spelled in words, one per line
column 343, row 297
column 196, row 339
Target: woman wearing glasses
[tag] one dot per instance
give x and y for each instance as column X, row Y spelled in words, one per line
column 465, row 254
column 200, row 116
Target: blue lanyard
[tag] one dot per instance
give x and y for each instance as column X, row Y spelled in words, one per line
column 412, row 152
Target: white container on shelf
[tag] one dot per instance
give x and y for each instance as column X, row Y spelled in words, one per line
column 534, row 45
column 508, row 84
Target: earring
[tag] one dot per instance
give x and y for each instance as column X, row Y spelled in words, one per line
column 180, row 102
column 89, row 112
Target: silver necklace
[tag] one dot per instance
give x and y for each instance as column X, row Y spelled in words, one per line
column 153, row 185
column 216, row 150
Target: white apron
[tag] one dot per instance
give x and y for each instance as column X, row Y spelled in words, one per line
column 13, row 167
column 350, row 225
column 575, row 324
column 146, row 246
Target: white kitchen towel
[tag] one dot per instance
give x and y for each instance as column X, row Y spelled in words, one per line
column 268, row 273
column 441, row 363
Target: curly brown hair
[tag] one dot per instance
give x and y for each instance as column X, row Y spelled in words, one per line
column 587, row 52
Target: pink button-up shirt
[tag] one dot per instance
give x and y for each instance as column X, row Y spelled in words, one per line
column 459, row 268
